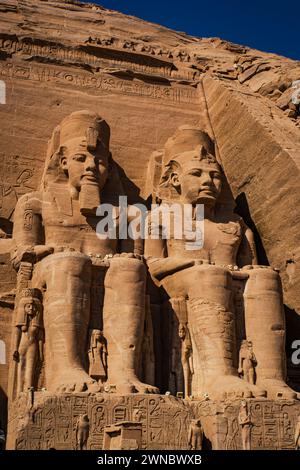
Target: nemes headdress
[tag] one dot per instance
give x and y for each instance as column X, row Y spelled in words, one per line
column 84, row 126
column 185, row 139
column 178, row 147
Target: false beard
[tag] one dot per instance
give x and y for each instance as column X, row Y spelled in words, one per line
column 89, row 199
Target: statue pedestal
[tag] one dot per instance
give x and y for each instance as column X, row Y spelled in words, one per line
column 273, row 423
column 50, row 422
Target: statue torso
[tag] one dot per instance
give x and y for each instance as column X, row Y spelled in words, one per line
column 220, row 243
column 66, row 227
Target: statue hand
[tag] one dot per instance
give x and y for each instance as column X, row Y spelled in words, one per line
column 30, row 254
column 42, row 250
column 16, row 356
column 161, row 267
column 23, row 253
column 130, row 255
column 247, row 267
column 240, row 370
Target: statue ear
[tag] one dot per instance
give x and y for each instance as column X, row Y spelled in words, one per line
column 174, row 178
column 63, row 162
column 203, row 152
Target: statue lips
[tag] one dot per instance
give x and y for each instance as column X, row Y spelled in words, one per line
column 208, row 191
column 89, row 177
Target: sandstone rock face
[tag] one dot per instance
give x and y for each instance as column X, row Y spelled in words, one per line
column 98, row 105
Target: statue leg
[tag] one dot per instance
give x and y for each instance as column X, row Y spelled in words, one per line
column 212, row 327
column 251, row 376
column 67, row 279
column 21, row 366
column 187, row 378
column 265, row 327
column 123, row 320
column 30, row 369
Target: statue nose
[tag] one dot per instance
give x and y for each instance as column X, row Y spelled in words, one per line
column 206, row 179
column 90, row 163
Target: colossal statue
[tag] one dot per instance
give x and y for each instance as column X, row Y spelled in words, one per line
column 202, row 271
column 55, row 231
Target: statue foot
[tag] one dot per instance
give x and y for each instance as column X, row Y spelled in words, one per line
column 140, row 387
column 133, row 386
column 74, row 380
column 278, row 389
column 226, row 386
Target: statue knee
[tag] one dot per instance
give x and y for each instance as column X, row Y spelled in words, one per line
column 212, row 273
column 74, row 263
column 131, row 269
column 264, row 278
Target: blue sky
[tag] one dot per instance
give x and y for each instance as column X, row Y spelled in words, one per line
column 262, row 24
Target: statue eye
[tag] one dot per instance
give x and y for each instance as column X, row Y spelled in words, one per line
column 216, row 175
column 196, row 172
column 79, row 158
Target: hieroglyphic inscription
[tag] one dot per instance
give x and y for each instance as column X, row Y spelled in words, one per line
column 19, row 175
column 54, row 423
column 274, row 424
column 176, row 93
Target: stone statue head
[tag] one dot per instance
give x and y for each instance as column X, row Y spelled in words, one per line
column 29, row 305
column 246, row 344
column 96, row 335
column 243, row 407
column 191, row 167
column 181, row 331
column 78, row 156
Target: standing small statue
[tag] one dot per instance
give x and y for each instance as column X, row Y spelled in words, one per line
column 195, row 437
column 297, row 434
column 247, row 362
column 186, row 358
column 97, row 355
column 245, row 424
column 28, row 338
column 82, row 432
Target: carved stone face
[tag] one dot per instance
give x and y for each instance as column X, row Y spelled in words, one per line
column 199, row 182
column 84, row 166
column 30, row 308
column 181, row 332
